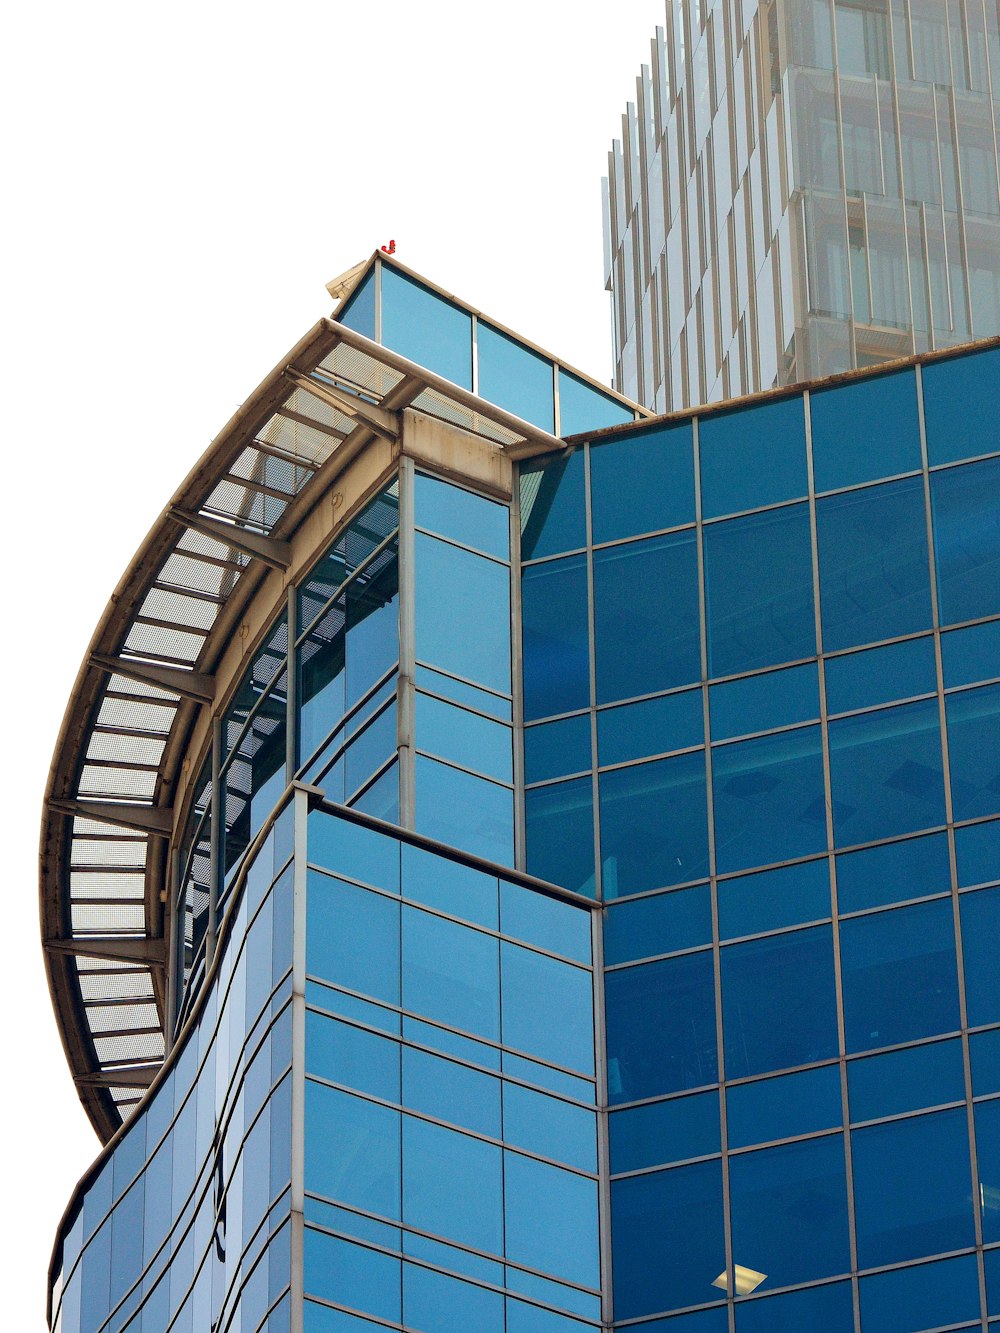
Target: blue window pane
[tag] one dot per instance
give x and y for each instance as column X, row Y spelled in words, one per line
column 583, row 407
column 663, row 1132
column 878, row 876
column 759, row 591
column 661, row 1030
column 960, row 406
column 322, row 681
column 752, row 457
column 664, row 923
column 515, row 378
column 464, row 811
column 451, row 1043
column 654, row 825
column 372, row 627
column 789, row 896
column 654, row 726
column 644, row 641
column 544, row 1076
column 988, row 1162
column 353, row 850
column 828, row 1307
column 899, row 975
column 370, row 749
column 906, row 1080
column 461, row 693
column 864, row 431
column 548, row 922
column 352, row 938
column 874, row 574
column 555, row 637
column 984, row 1054
column 362, row 1011
column 550, row 1220
column 544, row 1321
column 354, row 1224
column 769, row 799
column 454, row 512
column 452, row 1185
column 758, row 703
column 450, row 1091
column 780, row 1108
column 549, row 1127
column 926, row 1296
column 344, row 1054
column 452, row 587
column 789, row 1211
column 668, row 1239
column 557, row 749
column 359, row 312
column 336, row 1270
column 450, row 974
column 322, row 1319
column 449, row 1256
column 524, row 1318
column 463, row 737
column 436, row 1303
column 641, row 483
column 967, row 540
column 548, row 1008
column 912, row 1190
column 449, row 886
column 714, row 1320
column 974, row 749
column 426, row 328
column 886, row 773
column 980, row 932
column 381, row 799
column 778, row 1002
column 559, row 833
column 553, row 502
column 352, row 1150
column 880, row 675
column 970, row 655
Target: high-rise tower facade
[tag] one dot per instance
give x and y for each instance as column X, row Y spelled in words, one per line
column 803, row 187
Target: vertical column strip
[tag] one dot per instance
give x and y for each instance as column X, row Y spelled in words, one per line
column 405, row 739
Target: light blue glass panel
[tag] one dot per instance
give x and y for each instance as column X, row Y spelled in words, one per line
column 960, row 406
column 549, row 1127
column 752, row 457
column 980, row 932
column 759, row 591
column 967, row 540
column 450, row 974
column 654, row 824
column 462, row 693
column 450, row 1091
column 464, row 811
column 449, row 1256
column 557, row 749
column 926, row 1296
column 886, row 773
column 661, row 923
column 352, row 1150
column 449, row 886
column 370, row 749
column 894, row 872
column 880, row 675
column 779, row 1002
column 524, row 1318
column 463, row 737
column 912, row 1188
column 436, row 1303
column 451, row 1043
column 556, row 1293
column 452, row 1185
column 362, row 1011
column 583, row 407
column 662, row 1132
column 336, row 1270
column 874, row 575
column 349, row 1055
column 471, row 519
column 789, row 896
column 553, row 518
column 970, row 655
column 781, row 1108
column 544, row 1076
column 352, row 937
column 547, row 1008
column 988, row 1163
column 644, row 641
column 353, row 850
column 559, row 833
column 974, row 750
column 759, row 703
column 642, row 482
column 653, row 726
column 789, row 1211
column 515, row 378
column 827, row 1307
column 550, row 1220
column 555, row 637
column 353, row 1224
column 864, row 431
column 984, row 1053
column 426, row 328
column 381, row 799
column 769, row 799
column 452, row 587
column 714, row 1320
column 359, row 312
column 548, row 922
column 906, row 1080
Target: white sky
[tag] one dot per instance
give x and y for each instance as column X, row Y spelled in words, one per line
column 181, row 182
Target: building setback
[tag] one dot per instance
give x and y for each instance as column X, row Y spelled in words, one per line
column 555, row 849
column 803, row 187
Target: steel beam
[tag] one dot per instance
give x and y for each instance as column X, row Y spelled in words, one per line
column 188, row 684
column 351, row 405
column 272, row 551
column 155, row 819
column 135, row 949
column 141, row 1077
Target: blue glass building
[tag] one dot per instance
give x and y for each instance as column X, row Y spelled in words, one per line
column 547, row 883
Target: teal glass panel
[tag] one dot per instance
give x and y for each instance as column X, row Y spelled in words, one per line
column 353, row 850
column 449, row 1091
column 977, row 852
column 970, row 655
column 960, row 406
column 874, row 572
column 880, row 675
column 437, row 1303
column 864, row 431
column 452, row 587
column 654, row 825
column 652, row 726
column 663, row 1132
column 553, row 504
column 426, row 328
column 358, row 1059
column 352, row 937
column 453, row 512
column 828, row 1307
column 462, row 693
column 769, row 799
column 753, row 457
column 642, row 482
column 550, row 1220
column 449, row 886
column 759, row 591
column 359, row 312
column 354, row 1275
column 658, row 924
column 450, row 974
column 984, row 1054
column 555, row 637
column 464, row 738
column 906, row 1080
column 644, row 641
column 967, row 540
column 788, row 896
column 886, row 773
column 781, row 1108
column 980, row 932
column 557, row 749
column 912, row 1188
column 548, row 1008
column 352, row 1150
column 584, row 407
column 988, row 1163
column 452, row 1185
column 789, row 1211
column 925, row 1296
column 546, row 922
column 974, row 751
column 515, row 378
column 550, row 1127
column 759, row 703
column 779, row 1002
column 559, row 834
column 892, row 873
